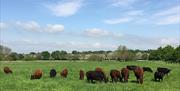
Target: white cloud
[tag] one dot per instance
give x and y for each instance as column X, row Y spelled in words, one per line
column 118, row 20
column 54, row 28
column 171, row 11
column 66, row 8
column 169, row 41
column 169, row 16
column 100, row 33
column 123, row 3
column 174, row 19
column 36, row 27
column 3, row 26
column 95, row 32
column 135, row 13
column 29, row 26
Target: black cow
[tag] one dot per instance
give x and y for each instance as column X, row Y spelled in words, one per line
column 148, row 69
column 158, row 76
column 53, row 73
column 163, row 70
column 115, row 75
column 131, row 67
column 96, row 75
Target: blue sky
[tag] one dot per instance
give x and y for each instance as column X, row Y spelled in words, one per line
column 37, row 25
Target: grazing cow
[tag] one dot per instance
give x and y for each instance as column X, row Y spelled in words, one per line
column 99, row 69
column 81, row 74
column 64, row 73
column 163, row 70
column 7, row 70
column 53, row 73
column 115, row 75
column 131, row 67
column 125, row 74
column 37, row 74
column 96, row 75
column 139, row 74
column 158, row 76
column 148, row 69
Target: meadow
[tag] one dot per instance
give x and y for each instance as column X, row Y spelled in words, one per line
column 20, row 79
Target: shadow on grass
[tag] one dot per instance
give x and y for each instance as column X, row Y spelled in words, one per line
column 155, row 80
column 134, row 81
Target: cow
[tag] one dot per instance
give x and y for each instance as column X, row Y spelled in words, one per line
column 148, row 69
column 37, row 74
column 81, row 74
column 139, row 74
column 52, row 73
column 158, row 76
column 165, row 71
column 115, row 75
column 99, row 69
column 64, row 73
column 125, row 74
column 97, row 76
column 7, row 70
column 131, row 67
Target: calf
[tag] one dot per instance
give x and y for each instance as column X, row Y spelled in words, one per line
column 163, row 70
column 64, row 73
column 158, row 76
column 115, row 75
column 52, row 73
column 7, row 70
column 148, row 69
column 81, row 74
column 139, row 74
column 37, row 74
column 96, row 75
column 131, row 67
column 125, row 74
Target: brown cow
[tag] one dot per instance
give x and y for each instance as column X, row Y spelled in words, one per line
column 7, row 70
column 81, row 74
column 99, row 69
column 139, row 74
column 115, row 75
column 37, row 74
column 125, row 74
column 64, row 73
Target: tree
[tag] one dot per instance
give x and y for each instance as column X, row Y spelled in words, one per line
column 55, row 55
column 177, row 54
column 63, row 55
column 45, row 55
column 156, row 54
column 75, row 52
column 14, row 56
column 167, row 53
column 20, row 56
column 4, row 52
column 145, row 56
column 59, row 55
column 121, row 52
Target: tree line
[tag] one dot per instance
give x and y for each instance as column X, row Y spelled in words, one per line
column 122, row 53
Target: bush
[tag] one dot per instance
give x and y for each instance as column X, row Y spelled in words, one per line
column 95, row 57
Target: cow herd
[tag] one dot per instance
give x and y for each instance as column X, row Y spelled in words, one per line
column 99, row 75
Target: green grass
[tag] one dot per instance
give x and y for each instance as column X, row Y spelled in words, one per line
column 20, row 79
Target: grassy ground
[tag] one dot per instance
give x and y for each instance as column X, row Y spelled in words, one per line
column 20, row 79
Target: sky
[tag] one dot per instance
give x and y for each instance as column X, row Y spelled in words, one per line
column 49, row 25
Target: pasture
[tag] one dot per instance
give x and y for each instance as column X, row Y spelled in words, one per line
column 20, row 79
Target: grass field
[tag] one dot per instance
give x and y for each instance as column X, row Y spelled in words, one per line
column 20, row 79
